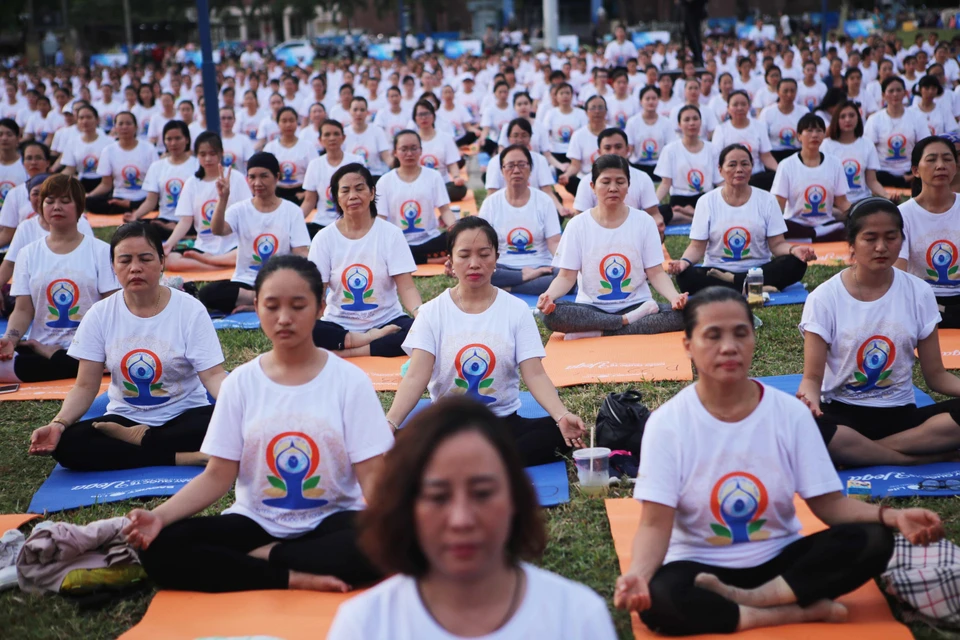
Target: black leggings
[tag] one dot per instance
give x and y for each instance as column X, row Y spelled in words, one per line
column 538, row 439
column 575, row 317
column 432, row 248
column 834, row 232
column 825, row 565
column 666, row 210
column 222, row 295
column 950, row 316
column 89, row 184
column 290, row 194
column 330, row 335
column 511, row 279
column 455, row 193
column 781, row 272
column 210, row 554
column 763, row 179
column 647, row 169
column 879, row 422
column 490, row 147
column 101, row 204
column 468, row 138
column 84, row 448
column 782, row 154
column 30, row 366
column 893, row 180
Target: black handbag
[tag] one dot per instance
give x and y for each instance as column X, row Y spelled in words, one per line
column 620, row 421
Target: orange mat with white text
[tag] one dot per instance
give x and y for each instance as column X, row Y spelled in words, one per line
column 616, row 359
column 383, row 372
column 950, row 347
column 870, row 617
column 51, row 390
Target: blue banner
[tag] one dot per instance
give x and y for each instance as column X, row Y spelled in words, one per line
column 458, row 48
column 858, row 28
column 380, row 52
column 643, row 38
column 108, row 59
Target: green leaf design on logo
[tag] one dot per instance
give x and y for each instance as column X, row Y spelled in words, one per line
column 461, row 383
column 130, row 387
column 721, row 530
column 885, row 375
column 53, row 310
column 311, row 483
column 931, row 273
column 859, row 377
column 605, row 285
column 256, row 258
column 952, row 270
column 156, row 385
column 486, row 383
column 727, row 252
column 368, row 294
column 745, row 253
column 348, row 295
column 277, row 482
column 755, row 526
column 625, row 283
column 73, row 310
column 417, row 221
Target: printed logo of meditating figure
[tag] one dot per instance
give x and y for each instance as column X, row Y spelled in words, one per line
column 695, row 180
column 615, row 277
column 288, row 172
column 736, row 244
column 475, row 365
column 132, row 176
column 357, row 280
column 142, row 371
column 811, row 102
column 737, row 501
column 5, row 188
column 875, row 359
column 621, row 119
column 328, row 196
column 206, row 214
column 63, row 302
column 851, row 169
column 229, row 158
column 429, row 161
column 788, row 137
column 108, row 121
column 564, row 133
column 363, row 153
column 264, row 246
column 648, row 149
column 252, row 133
column 293, row 458
column 813, row 201
column 88, row 164
column 410, row 214
column 173, row 188
column 896, row 146
column 942, row 263
column 520, row 240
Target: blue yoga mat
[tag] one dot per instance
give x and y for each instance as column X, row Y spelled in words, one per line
column 790, row 383
column 531, row 300
column 99, row 406
column 66, row 489
column 794, row 294
column 677, row 230
column 242, row 320
column 3, row 326
column 902, row 482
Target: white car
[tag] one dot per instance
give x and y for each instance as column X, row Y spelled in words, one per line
column 294, row 52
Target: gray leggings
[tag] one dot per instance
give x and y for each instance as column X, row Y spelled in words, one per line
column 574, row 317
column 512, row 278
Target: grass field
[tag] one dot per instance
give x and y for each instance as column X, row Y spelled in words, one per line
column 580, row 544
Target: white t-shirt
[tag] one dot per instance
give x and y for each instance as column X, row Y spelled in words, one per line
column 809, row 191
column 708, row 121
column 155, row 129
column 496, row 118
column 167, row 180
column 611, row 263
column 439, row 152
column 248, row 125
column 297, row 444
column 856, row 159
column 368, row 145
column 153, row 362
column 641, row 193
column 237, row 150
column 732, row 483
column 11, row 175
column 43, row 128
column 810, row 97
column 737, row 236
column 539, row 140
column 392, row 123
column 782, row 127
column 930, row 246
column 692, row 173
column 477, row 354
column 617, row 54
column 198, row 200
column 939, row 120
column 894, row 138
column 268, row 130
column 16, row 207
column 540, row 173
column 128, row 168
column 871, row 344
column 107, row 112
column 361, row 292
column 560, row 127
column 552, row 607
column 522, row 232
column 85, row 155
column 620, row 111
column 457, row 117
column 293, row 161
column 754, row 137
column 317, row 178
column 583, row 147
column 260, row 236
column 30, row 231
column 62, row 287
column 412, row 205
column 648, row 140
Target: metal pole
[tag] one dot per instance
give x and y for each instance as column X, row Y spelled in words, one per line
column 403, row 32
column 210, row 93
column 551, row 23
column 129, row 30
column 823, row 27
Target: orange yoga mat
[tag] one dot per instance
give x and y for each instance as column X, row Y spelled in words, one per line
column 950, row 347
column 186, row 615
column 427, row 270
column 565, row 196
column 616, row 359
column 831, row 254
column 870, row 617
column 15, row 520
column 99, row 220
column 203, row 276
column 383, row 372
column 52, row 390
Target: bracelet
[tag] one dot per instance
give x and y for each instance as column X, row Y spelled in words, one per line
column 688, row 261
column 59, row 421
column 393, row 425
column 883, row 508
column 562, row 417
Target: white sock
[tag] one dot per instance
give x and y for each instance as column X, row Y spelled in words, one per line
column 648, row 308
column 582, row 334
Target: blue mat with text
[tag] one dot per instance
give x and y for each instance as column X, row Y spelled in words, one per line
column 531, row 299
column 791, row 382
column 794, row 294
column 242, row 320
column 677, row 230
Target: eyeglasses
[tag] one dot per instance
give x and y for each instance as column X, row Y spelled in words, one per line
column 597, row 108
column 933, row 484
column 409, row 149
column 516, row 166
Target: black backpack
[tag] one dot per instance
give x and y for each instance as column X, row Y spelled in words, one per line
column 620, row 421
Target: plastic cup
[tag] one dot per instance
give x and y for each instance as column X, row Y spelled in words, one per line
column 455, row 210
column 593, row 470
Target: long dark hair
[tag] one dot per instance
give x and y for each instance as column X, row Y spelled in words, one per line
column 353, row 167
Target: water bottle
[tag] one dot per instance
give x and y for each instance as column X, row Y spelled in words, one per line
column 753, row 287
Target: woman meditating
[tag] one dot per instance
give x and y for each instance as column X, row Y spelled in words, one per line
column 931, row 223
column 122, row 168
column 455, row 476
column 301, row 434
column 56, row 281
column 718, row 548
column 687, row 169
column 474, row 340
column 439, row 150
column 367, row 267
column 163, row 356
column 741, row 129
column 292, row 154
column 82, row 152
column 737, row 228
column 611, row 252
column 16, row 205
column 893, row 131
column 860, row 330
column 316, row 182
column 857, row 155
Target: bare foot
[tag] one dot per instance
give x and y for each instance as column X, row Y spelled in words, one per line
column 774, row 593
column 195, row 255
column 826, row 611
column 131, row 435
column 44, row 350
column 242, row 307
column 439, row 260
column 648, row 308
column 191, row 459
column 532, row 273
column 720, row 275
column 310, row 582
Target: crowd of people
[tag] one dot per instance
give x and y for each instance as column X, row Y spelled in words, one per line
column 324, row 191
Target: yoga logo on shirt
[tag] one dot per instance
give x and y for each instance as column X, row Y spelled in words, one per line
column 564, row 133
column 458, row 130
column 695, row 180
column 264, row 246
column 475, row 364
column 520, row 240
column 172, row 190
column 875, row 359
column 63, row 302
column 145, row 127
column 88, row 164
column 132, row 176
column 292, row 458
column 851, row 169
column 251, row 132
column 896, row 147
column 649, row 149
column 810, row 102
column 328, row 197
column 621, row 119
column 363, row 153
column 229, row 159
column 410, row 215
column 615, row 277
column 942, row 263
column 288, row 172
column 357, row 280
column 429, row 161
column 107, row 121
column 5, row 188
column 206, row 214
column 142, row 371
column 737, row 501
column 736, row 244
column 788, row 137
column 814, row 198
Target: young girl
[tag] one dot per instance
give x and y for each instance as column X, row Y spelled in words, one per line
column 465, row 130
column 123, row 166
column 495, row 116
column 293, row 154
column 649, row 133
column 82, row 153
column 560, row 124
column 16, row 205
column 250, row 116
column 311, row 131
column 857, row 155
column 302, row 435
column 166, row 178
column 687, row 169
column 317, row 179
column 237, row 148
column 439, row 150
column 893, row 131
column 770, row 93
column 144, row 110
column 165, row 114
column 269, row 130
column 939, row 119
column 781, row 121
column 740, row 129
column 392, row 119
